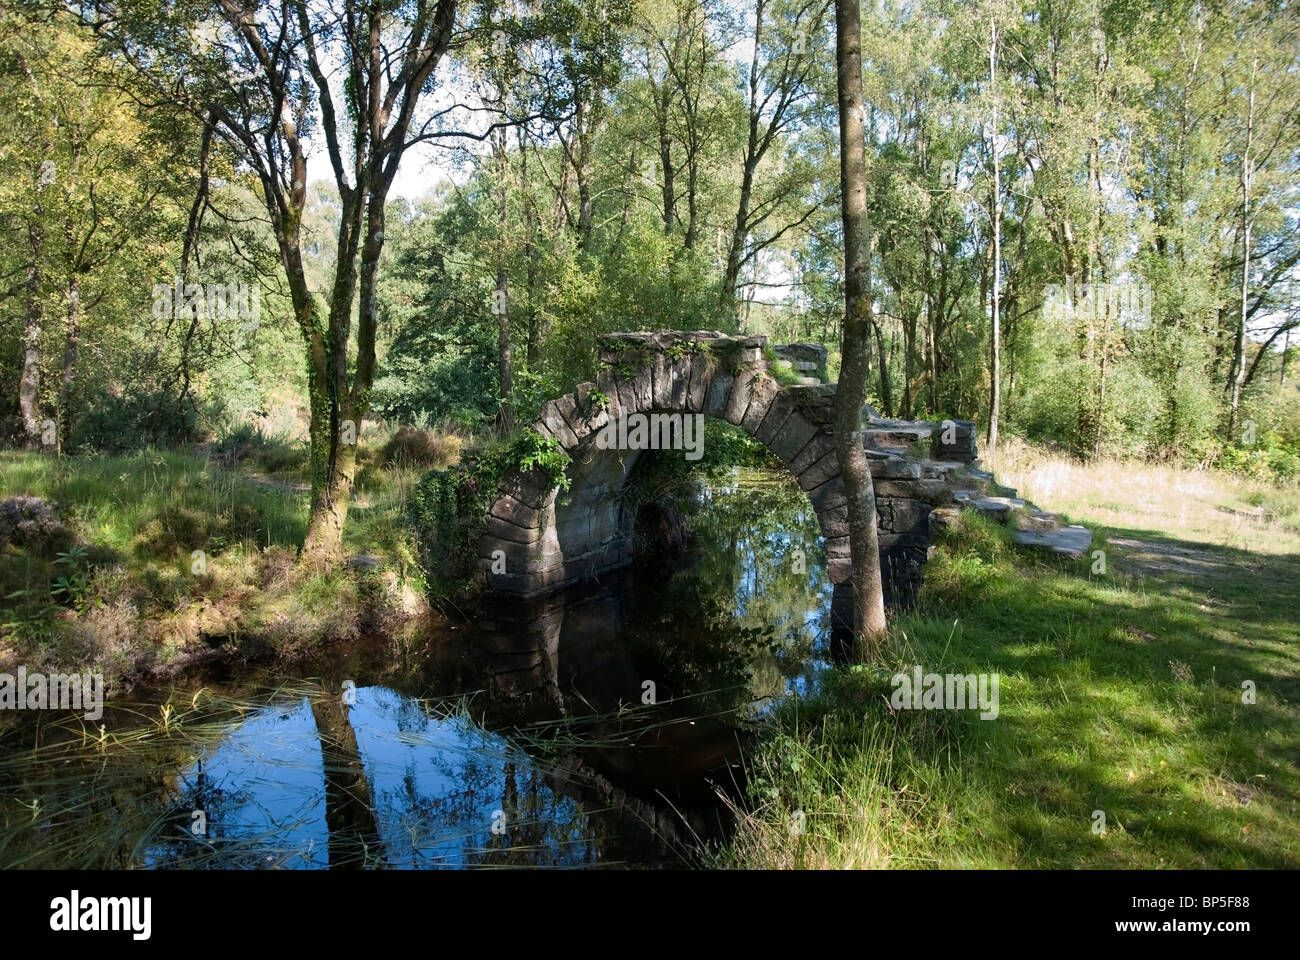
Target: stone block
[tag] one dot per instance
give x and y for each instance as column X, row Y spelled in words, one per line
column 719, row 392
column 793, row 435
column 778, row 412
column 761, row 395
column 738, row 399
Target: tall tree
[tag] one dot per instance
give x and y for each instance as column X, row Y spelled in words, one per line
column 258, row 77
column 995, row 216
column 779, row 93
column 855, row 363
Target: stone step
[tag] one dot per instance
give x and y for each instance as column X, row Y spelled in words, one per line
column 1071, row 541
column 873, row 453
column 1035, row 519
column 902, row 439
column 941, row 469
column 1000, row 509
column 894, row 468
column 941, row 518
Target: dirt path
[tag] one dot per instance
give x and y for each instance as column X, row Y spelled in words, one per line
column 1157, row 559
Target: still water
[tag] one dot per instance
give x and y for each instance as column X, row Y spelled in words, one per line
column 604, row 726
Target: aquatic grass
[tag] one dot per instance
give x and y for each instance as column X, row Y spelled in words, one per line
column 84, row 796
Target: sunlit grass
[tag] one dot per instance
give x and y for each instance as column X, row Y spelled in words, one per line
column 1202, row 506
column 1121, row 692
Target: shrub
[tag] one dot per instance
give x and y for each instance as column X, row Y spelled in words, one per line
column 133, row 420
column 177, row 530
column 29, row 523
column 274, row 453
column 447, row 507
column 410, row 447
column 970, row 561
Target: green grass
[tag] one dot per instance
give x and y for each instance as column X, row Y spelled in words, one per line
column 142, row 517
column 113, row 500
column 1120, row 693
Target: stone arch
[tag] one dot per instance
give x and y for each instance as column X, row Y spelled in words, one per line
column 550, row 540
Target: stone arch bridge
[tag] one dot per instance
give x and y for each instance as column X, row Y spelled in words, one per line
column 552, row 539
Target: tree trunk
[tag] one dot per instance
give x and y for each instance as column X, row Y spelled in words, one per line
column 625, row 213
column 666, row 161
column 1247, row 183
column 868, row 595
column 30, row 384
column 731, row 275
column 323, row 545
column 995, row 395
column 585, row 121
column 531, row 352
column 692, row 202
column 500, row 305
column 909, row 365
column 886, row 398
column 354, row 840
column 71, row 343
column 505, row 375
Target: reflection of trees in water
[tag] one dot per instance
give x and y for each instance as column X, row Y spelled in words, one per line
column 125, row 809
column 739, row 618
column 67, row 801
column 742, row 615
column 178, row 847
column 349, row 810
column 67, row 814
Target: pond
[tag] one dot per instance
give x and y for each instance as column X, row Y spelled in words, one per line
column 603, row 726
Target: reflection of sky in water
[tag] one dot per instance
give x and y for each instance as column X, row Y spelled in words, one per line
column 262, row 787
column 437, row 783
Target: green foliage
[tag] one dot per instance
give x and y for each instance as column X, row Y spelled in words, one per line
column 72, row 585
column 778, row 369
column 134, row 420
column 667, row 476
column 532, row 451
column 971, row 558
column 1270, row 458
column 254, row 446
column 447, row 508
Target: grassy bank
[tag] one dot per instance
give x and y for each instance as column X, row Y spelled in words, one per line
column 1120, row 691
column 149, row 561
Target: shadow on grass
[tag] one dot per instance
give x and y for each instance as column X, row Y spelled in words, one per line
column 1123, row 693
